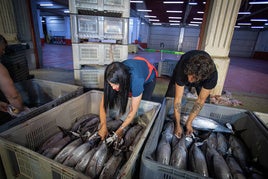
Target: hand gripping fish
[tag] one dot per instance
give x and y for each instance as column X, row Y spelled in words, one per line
column 206, row 124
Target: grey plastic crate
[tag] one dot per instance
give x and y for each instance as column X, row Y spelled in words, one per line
column 166, row 67
column 40, row 96
column 255, row 135
column 17, row 144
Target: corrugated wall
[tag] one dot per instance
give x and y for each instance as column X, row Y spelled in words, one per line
column 244, row 42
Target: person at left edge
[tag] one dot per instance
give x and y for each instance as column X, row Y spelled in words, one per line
column 133, row 78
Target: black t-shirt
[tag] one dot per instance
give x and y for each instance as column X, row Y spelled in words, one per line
column 181, row 78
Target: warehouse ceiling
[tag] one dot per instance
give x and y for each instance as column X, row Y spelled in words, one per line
column 189, row 12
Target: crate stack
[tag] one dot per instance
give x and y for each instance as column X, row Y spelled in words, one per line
column 99, row 37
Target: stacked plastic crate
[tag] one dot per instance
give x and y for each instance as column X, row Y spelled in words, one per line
column 99, row 37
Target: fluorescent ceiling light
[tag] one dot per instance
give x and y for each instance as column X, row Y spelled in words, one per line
column 257, row 27
column 136, row 1
column 46, row 4
column 155, row 20
column 175, row 17
column 173, row 21
column 266, row 24
column 157, row 23
column 192, row 3
column 204, row 2
column 173, row 11
column 173, row 2
column 174, row 24
column 237, row 26
column 242, row 23
column 260, row 2
column 197, row 19
column 195, row 22
column 246, row 13
column 193, row 25
column 149, row 16
column 259, row 20
column 200, row 12
column 144, row 10
column 66, row 11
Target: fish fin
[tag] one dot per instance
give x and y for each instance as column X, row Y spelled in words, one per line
column 65, row 131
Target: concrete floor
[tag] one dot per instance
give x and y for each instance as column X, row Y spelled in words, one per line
column 246, row 80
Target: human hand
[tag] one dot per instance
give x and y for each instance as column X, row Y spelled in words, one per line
column 3, row 106
column 103, row 132
column 120, row 132
column 178, row 131
column 189, row 129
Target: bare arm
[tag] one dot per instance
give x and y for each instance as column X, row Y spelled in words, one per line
column 103, row 132
column 177, row 109
column 199, row 103
column 135, row 103
column 8, row 88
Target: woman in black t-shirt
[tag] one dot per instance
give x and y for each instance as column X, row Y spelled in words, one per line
column 194, row 69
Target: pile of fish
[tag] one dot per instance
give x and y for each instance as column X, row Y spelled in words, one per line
column 82, row 149
column 212, row 151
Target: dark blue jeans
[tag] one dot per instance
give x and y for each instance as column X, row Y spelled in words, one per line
column 148, row 90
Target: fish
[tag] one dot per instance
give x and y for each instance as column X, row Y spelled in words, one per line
column 112, row 166
column 179, row 155
column 113, row 125
column 130, row 135
column 67, row 150
column 236, row 170
column 90, row 125
column 212, row 140
column 168, row 129
column 220, row 168
column 81, row 120
column 206, row 124
column 163, row 151
column 52, row 151
column 197, row 161
column 222, row 144
column 51, row 141
column 82, row 164
column 80, row 151
column 239, row 150
column 98, row 160
column 133, row 144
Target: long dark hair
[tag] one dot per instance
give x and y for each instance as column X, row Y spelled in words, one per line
column 117, row 73
column 201, row 65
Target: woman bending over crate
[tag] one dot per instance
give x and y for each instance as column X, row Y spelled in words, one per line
column 134, row 78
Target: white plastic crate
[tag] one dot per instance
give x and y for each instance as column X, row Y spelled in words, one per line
column 97, row 54
column 17, row 144
column 254, row 135
column 90, row 77
column 120, row 8
column 99, row 27
column 166, row 67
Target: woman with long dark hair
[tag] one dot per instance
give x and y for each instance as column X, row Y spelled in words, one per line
column 133, row 78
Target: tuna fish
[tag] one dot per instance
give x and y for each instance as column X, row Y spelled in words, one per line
column 113, row 125
column 112, row 167
column 163, row 151
column 222, row 144
column 179, row 155
column 221, row 169
column 212, row 140
column 131, row 134
column 236, row 170
column 82, row 120
column 239, row 151
column 67, row 150
column 52, row 151
column 82, row 164
column 98, row 160
column 80, row 151
column 197, row 161
column 51, row 141
column 203, row 123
